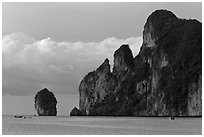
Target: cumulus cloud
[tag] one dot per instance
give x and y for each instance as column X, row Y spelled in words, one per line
column 30, row 64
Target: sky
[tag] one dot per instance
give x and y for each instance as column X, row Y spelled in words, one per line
column 55, row 45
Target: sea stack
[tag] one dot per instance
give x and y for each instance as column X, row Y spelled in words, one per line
column 75, row 112
column 45, row 103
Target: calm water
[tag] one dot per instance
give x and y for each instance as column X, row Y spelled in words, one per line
column 100, row 125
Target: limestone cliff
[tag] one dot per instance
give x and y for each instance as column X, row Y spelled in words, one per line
column 123, row 60
column 45, row 103
column 94, row 87
column 164, row 79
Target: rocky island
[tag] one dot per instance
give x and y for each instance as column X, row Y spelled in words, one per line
column 45, row 103
column 164, row 79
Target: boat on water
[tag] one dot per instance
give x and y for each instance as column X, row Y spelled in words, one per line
column 171, row 117
column 21, row 116
column 18, row 116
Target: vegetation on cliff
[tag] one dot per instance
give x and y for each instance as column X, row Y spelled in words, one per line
column 163, row 79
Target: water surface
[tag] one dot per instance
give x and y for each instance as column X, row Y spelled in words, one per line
column 61, row 125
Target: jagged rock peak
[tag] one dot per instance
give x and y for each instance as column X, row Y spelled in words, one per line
column 166, row 79
column 123, row 59
column 104, row 67
column 94, row 87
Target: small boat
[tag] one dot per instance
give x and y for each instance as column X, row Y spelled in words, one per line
column 18, row 116
column 171, row 118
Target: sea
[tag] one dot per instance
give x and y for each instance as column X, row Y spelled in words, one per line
column 66, row 125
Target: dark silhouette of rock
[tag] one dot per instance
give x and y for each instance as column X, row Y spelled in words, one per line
column 94, row 87
column 123, row 60
column 75, row 112
column 164, row 79
column 172, row 47
column 45, row 103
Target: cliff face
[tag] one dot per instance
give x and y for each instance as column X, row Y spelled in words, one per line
column 165, row 78
column 45, row 103
column 94, row 87
column 123, row 60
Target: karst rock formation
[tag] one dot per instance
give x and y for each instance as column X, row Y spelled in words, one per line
column 164, row 79
column 45, row 103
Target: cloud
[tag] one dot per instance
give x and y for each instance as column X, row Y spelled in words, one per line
column 30, row 64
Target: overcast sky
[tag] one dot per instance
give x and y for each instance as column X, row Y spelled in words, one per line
column 55, row 45
column 86, row 21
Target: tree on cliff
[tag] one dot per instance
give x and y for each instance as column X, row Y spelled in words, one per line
column 45, row 103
